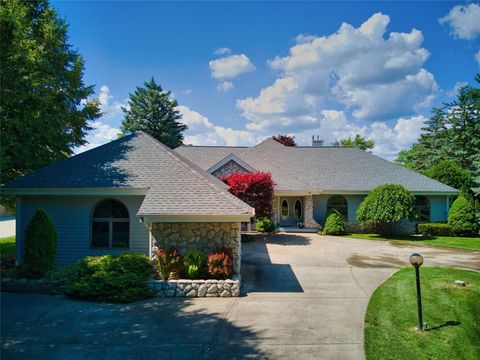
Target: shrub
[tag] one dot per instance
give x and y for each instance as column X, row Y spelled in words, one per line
column 168, row 263
column 285, row 140
column 195, row 264
column 334, row 224
column 256, row 189
column 384, row 206
column 220, row 263
column 113, row 278
column 434, row 229
column 265, row 225
column 40, row 245
column 462, row 217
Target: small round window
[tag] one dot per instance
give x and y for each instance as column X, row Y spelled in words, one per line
column 298, row 209
column 284, row 209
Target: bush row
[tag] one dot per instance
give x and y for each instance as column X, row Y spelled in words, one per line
column 434, row 229
column 170, row 264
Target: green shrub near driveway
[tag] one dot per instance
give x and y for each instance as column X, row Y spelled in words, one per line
column 384, row 206
column 113, row 278
column 265, row 225
column 462, row 217
column 435, row 229
column 40, row 245
column 334, row 225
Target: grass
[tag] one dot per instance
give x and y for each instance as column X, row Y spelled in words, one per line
column 465, row 243
column 451, row 313
column 7, row 246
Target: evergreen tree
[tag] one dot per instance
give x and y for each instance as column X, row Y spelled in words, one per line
column 44, row 104
column 151, row 110
column 452, row 133
column 448, row 172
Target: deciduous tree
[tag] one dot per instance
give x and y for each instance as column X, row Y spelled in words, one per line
column 358, row 142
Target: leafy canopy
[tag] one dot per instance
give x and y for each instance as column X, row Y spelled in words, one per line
column 448, row 172
column 150, row 109
column 256, row 189
column 358, row 142
column 285, row 140
column 384, row 206
column 44, row 104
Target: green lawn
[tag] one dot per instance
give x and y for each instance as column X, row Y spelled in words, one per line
column 451, row 312
column 7, row 246
column 466, row 243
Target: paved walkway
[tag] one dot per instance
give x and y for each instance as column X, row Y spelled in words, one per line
column 7, row 226
column 306, row 297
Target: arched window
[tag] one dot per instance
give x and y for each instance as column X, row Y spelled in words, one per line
column 422, row 209
column 110, row 225
column 339, row 203
column 284, row 209
column 298, row 209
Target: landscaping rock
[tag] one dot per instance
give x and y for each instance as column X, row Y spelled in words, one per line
column 460, row 283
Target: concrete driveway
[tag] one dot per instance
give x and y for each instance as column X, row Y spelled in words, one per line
column 305, row 298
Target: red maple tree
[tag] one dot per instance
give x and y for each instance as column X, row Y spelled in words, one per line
column 256, row 189
column 285, row 140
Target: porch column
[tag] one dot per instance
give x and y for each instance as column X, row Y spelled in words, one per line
column 308, row 213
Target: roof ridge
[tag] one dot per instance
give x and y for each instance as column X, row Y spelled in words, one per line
column 207, row 178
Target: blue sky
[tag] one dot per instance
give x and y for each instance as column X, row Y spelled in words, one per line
column 244, row 71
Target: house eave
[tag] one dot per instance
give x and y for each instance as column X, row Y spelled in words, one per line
column 74, row 191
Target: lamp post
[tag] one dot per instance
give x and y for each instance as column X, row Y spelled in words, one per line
column 417, row 260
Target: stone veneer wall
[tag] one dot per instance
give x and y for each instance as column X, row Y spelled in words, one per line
column 309, row 221
column 197, row 288
column 202, row 236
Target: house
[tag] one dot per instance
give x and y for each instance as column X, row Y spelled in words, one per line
column 310, row 180
column 129, row 195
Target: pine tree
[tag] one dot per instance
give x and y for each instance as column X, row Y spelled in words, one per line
column 150, row 109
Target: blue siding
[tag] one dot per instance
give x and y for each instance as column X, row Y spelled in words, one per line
column 438, row 207
column 71, row 217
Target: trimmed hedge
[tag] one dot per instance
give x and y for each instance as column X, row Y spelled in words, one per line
column 435, row 229
column 113, row 278
column 40, row 245
column 334, row 224
column 265, row 225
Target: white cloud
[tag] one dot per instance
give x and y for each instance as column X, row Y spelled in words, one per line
column 109, row 108
column 99, row 135
column 201, row 131
column 231, row 66
column 187, row 91
column 477, row 57
column 454, row 91
column 222, row 51
column 225, row 86
column 464, row 21
column 364, row 71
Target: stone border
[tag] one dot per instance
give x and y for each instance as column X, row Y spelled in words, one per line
column 197, row 288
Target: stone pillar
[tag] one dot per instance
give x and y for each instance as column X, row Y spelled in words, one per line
column 308, row 213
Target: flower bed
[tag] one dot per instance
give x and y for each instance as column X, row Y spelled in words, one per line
column 197, row 288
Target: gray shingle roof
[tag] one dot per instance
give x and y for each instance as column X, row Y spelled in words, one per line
column 175, row 185
column 318, row 168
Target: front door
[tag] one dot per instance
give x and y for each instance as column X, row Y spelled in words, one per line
column 291, row 211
